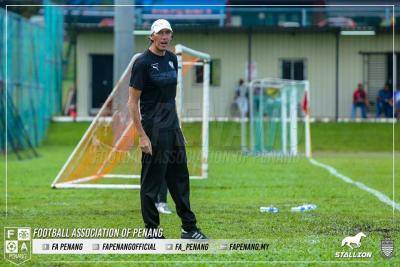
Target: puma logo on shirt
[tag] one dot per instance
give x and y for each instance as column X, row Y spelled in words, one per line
column 155, row 66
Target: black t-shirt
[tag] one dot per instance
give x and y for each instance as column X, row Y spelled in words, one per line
column 156, row 77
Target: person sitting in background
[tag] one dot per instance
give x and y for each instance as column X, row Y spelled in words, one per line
column 384, row 102
column 360, row 100
column 397, row 102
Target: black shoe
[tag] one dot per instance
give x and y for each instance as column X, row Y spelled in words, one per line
column 193, row 234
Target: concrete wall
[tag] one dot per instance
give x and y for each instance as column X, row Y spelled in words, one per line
column 319, row 51
column 87, row 44
column 231, row 49
column 267, row 49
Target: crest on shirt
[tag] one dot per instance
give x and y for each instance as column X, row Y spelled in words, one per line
column 171, row 64
column 155, row 66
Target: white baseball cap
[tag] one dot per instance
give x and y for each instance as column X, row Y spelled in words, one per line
column 159, row 25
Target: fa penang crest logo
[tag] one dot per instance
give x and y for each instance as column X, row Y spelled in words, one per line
column 17, row 244
column 353, row 242
column 387, row 248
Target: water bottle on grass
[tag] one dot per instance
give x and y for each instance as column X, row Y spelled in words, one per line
column 303, row 208
column 270, row 209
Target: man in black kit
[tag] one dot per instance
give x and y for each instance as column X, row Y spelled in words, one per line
column 153, row 82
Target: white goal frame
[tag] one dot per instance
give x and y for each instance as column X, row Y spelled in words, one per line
column 290, row 96
column 179, row 50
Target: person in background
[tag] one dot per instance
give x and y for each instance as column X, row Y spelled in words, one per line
column 241, row 98
column 360, row 101
column 397, row 102
column 161, row 204
column 384, row 102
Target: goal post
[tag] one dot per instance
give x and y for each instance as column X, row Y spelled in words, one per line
column 108, row 155
column 69, row 175
column 202, row 59
column 279, row 118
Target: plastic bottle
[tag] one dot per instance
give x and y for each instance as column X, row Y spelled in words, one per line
column 270, row 209
column 303, row 208
column 311, row 206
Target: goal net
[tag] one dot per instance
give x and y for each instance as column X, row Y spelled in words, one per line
column 108, row 155
column 278, row 121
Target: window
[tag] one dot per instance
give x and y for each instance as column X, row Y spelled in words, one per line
column 215, row 73
column 293, row 69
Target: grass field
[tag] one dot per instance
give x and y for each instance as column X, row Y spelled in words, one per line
column 227, row 204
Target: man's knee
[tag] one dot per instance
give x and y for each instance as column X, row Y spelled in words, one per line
column 148, row 194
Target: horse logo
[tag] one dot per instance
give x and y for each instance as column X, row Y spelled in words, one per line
column 356, row 240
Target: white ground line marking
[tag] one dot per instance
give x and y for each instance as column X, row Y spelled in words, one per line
column 382, row 197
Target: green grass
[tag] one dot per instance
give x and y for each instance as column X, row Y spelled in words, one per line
column 331, row 137
column 227, row 203
column 354, row 137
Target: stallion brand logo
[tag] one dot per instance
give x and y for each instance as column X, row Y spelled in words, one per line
column 353, row 242
column 356, row 240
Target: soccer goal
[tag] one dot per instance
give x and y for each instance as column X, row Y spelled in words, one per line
column 279, row 118
column 108, row 155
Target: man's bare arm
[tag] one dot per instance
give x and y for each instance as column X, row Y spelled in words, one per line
column 133, row 105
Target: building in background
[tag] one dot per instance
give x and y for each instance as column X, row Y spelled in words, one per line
column 295, row 42
column 333, row 47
